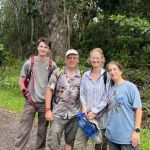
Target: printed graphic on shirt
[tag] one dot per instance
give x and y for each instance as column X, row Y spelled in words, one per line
column 117, row 100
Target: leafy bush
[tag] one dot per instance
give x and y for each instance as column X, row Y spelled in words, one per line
column 131, row 40
column 3, row 55
column 9, row 74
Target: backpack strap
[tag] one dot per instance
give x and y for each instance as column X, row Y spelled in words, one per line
column 105, row 78
column 59, row 72
column 51, row 69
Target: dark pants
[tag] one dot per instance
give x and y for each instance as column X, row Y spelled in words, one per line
column 26, row 123
column 114, row 146
column 103, row 145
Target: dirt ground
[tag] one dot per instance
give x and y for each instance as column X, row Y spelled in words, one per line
column 9, row 129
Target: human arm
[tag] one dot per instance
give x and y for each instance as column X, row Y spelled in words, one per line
column 23, row 75
column 49, row 95
column 138, row 119
column 48, row 101
column 21, row 82
column 135, row 97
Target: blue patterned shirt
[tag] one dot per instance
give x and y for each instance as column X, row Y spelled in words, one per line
column 94, row 95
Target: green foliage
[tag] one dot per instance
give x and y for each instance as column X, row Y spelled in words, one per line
column 28, row 16
column 60, row 63
column 131, row 24
column 126, row 40
column 9, row 74
column 146, row 94
column 145, row 140
column 130, row 40
column 3, row 55
column 142, row 79
column 10, row 96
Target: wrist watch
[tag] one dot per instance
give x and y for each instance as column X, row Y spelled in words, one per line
column 137, row 130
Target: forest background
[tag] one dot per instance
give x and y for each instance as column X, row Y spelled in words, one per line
column 120, row 27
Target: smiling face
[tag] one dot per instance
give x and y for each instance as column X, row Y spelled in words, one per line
column 43, row 49
column 72, row 61
column 115, row 72
column 96, row 59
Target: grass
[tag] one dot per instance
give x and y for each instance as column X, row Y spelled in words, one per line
column 145, row 139
column 11, row 101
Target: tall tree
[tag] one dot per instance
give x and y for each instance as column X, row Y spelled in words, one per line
column 17, row 5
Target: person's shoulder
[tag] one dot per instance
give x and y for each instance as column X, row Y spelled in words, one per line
column 27, row 62
column 87, row 73
column 54, row 64
column 130, row 84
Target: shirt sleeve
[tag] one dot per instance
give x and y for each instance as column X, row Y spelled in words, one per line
column 99, row 107
column 82, row 91
column 135, row 96
column 53, row 79
column 25, row 68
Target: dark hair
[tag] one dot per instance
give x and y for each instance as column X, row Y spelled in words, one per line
column 120, row 66
column 45, row 40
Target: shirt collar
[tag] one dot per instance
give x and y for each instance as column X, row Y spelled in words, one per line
column 88, row 73
column 78, row 74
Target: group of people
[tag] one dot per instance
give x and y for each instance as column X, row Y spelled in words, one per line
column 101, row 94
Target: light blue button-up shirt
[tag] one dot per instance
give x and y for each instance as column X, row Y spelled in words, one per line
column 94, row 95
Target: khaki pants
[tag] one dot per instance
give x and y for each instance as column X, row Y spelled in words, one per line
column 26, row 126
column 58, row 127
column 81, row 142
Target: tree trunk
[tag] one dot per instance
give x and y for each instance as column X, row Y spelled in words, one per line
column 53, row 12
column 32, row 28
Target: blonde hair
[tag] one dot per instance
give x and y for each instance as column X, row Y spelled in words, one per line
column 100, row 51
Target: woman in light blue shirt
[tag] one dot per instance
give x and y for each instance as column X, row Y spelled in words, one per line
column 93, row 96
column 125, row 111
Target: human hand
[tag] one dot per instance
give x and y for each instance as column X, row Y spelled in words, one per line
column 49, row 115
column 91, row 116
column 135, row 138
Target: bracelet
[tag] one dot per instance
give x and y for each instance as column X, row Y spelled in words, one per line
column 47, row 109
